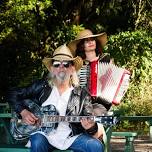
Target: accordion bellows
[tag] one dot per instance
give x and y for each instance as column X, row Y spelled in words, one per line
column 105, row 80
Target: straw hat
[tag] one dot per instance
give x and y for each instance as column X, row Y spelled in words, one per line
column 102, row 38
column 63, row 53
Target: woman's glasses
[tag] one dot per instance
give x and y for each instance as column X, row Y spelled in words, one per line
column 66, row 64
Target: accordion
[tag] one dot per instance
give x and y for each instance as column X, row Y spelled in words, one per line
column 105, row 80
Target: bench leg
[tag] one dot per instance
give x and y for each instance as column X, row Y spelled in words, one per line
column 129, row 146
column 150, row 131
column 5, row 125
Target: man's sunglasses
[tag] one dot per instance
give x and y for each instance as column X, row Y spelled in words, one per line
column 66, row 64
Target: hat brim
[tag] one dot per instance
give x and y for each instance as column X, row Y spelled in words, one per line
column 78, row 62
column 102, row 38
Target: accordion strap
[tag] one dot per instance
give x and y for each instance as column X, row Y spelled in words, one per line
column 104, row 57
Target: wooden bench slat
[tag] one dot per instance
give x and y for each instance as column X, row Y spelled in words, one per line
column 14, row 150
column 124, row 134
column 5, row 115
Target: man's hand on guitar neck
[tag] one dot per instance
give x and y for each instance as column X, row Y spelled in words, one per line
column 87, row 123
column 28, row 117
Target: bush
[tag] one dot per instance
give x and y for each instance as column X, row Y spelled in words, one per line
column 133, row 50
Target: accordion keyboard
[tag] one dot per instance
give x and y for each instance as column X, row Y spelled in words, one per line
column 83, row 75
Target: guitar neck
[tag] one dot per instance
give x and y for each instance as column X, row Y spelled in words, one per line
column 110, row 120
column 56, row 118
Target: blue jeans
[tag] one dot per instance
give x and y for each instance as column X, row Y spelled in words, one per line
column 83, row 143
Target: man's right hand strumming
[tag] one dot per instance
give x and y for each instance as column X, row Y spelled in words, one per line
column 28, row 117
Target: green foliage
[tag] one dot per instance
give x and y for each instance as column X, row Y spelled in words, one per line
column 142, row 14
column 133, row 50
column 22, row 32
column 64, row 33
column 23, row 16
column 29, row 30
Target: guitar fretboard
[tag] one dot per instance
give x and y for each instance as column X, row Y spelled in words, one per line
column 57, row 118
column 47, row 119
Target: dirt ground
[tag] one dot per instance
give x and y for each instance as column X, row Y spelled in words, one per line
column 141, row 144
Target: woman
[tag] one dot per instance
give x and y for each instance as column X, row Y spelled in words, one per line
column 89, row 47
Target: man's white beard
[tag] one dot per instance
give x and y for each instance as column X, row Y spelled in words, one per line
column 61, row 76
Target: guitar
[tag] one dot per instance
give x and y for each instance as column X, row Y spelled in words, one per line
column 48, row 120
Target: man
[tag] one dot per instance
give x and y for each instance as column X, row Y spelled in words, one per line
column 67, row 100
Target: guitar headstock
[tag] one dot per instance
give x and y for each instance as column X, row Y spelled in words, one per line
column 106, row 120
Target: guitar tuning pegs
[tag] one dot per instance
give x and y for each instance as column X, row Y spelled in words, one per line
column 115, row 120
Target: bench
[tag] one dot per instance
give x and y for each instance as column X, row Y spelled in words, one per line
column 140, row 119
column 107, row 139
column 129, row 136
column 4, row 123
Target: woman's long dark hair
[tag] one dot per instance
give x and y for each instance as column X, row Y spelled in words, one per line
column 80, row 49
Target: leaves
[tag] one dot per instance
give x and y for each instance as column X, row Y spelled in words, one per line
column 133, row 50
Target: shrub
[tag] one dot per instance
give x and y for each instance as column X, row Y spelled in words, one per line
column 133, row 50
